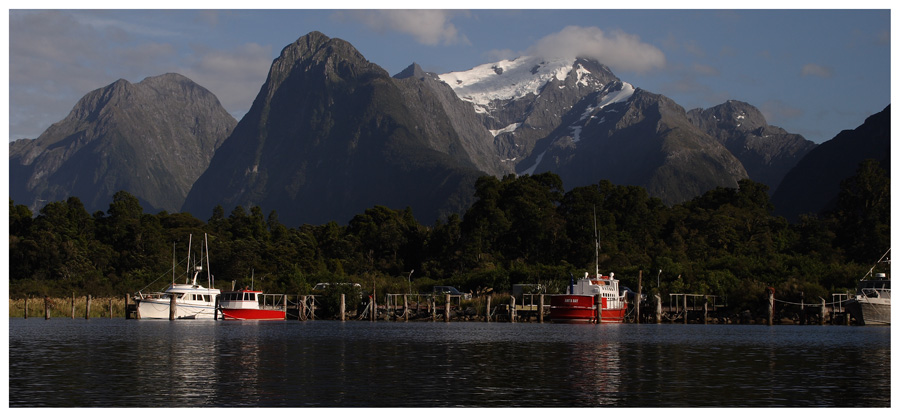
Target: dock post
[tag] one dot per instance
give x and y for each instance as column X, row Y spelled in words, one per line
column 405, row 307
column 684, row 303
column 46, row 308
column 172, row 307
column 822, row 313
column 541, row 309
column 301, row 309
column 512, row 309
column 312, row 309
column 343, row 307
column 705, row 310
column 487, row 310
column 433, row 305
column 25, row 315
column 216, row 309
column 125, row 312
column 599, row 309
column 110, row 307
column 446, row 308
column 87, row 307
column 73, row 305
column 658, row 308
column 637, row 304
column 771, row 318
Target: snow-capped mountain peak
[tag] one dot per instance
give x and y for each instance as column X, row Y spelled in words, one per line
column 509, row 79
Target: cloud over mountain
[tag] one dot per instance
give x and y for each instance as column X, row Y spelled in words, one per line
column 619, row 50
column 429, row 27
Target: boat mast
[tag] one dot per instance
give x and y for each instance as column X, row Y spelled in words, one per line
column 188, row 267
column 173, row 264
column 209, row 278
column 597, row 246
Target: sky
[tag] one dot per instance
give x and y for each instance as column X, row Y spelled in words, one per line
column 812, row 72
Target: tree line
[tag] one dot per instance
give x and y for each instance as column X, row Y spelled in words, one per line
column 520, row 230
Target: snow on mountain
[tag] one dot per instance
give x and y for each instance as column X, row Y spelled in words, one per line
column 509, row 79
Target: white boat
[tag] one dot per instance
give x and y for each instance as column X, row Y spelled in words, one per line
column 192, row 300
column 872, row 303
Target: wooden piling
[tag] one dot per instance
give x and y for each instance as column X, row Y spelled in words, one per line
column 637, row 304
column 405, row 307
column 487, row 310
column 301, row 309
column 87, row 307
column 46, row 308
column 822, row 312
column 771, row 315
column 658, row 311
column 312, row 309
column 705, row 310
column 125, row 312
column 172, row 307
column 684, row 302
column 599, row 309
column 110, row 307
column 541, row 309
column 343, row 307
column 25, row 315
column 432, row 304
column 73, row 306
column 446, row 308
column 512, row 309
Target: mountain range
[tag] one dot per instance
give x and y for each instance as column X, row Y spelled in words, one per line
column 331, row 134
column 152, row 139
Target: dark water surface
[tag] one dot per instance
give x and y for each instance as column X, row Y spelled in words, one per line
column 143, row 363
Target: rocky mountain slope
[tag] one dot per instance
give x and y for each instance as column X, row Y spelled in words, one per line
column 575, row 118
column 814, row 183
column 153, row 139
column 331, row 134
column 766, row 152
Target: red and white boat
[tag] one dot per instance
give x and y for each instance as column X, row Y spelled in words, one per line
column 596, row 299
column 248, row 304
column 585, row 297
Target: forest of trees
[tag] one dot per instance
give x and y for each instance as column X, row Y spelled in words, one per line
column 520, row 230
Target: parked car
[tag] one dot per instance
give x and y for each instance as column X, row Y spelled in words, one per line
column 446, row 289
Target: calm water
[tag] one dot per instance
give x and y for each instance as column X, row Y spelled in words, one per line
column 132, row 363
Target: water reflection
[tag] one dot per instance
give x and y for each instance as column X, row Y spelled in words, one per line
column 121, row 363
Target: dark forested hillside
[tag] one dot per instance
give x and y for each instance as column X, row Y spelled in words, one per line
column 523, row 229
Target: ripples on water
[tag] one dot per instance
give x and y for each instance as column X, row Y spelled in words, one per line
column 130, row 363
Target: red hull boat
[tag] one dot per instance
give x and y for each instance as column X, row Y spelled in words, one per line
column 581, row 304
column 247, row 305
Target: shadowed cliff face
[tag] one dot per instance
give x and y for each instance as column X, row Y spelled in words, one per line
column 330, row 135
column 152, row 139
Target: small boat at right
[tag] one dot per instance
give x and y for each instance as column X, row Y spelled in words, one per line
column 872, row 303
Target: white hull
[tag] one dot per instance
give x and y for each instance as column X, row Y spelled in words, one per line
column 867, row 312
column 159, row 309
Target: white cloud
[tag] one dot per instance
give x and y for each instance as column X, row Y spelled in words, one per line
column 617, row 49
column 816, row 70
column 429, row 27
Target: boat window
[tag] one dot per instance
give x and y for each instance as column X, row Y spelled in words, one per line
column 247, row 296
column 206, row 298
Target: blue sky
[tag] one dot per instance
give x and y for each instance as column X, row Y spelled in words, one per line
column 812, row 72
